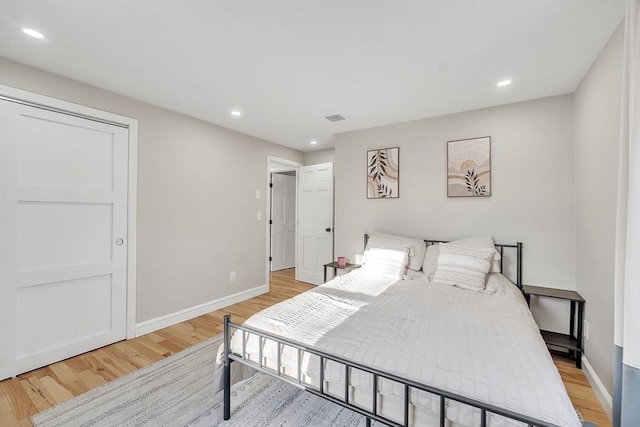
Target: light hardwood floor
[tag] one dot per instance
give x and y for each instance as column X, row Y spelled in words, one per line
column 38, row 390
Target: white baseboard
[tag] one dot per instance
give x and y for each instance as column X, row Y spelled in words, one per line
column 189, row 313
column 598, row 388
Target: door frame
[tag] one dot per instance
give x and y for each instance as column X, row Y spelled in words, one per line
column 277, row 164
column 65, row 107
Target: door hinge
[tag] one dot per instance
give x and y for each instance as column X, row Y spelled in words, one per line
column 270, row 222
column 270, row 258
column 271, row 185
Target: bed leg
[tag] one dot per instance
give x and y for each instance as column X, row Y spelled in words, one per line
column 368, row 422
column 227, row 391
column 226, row 405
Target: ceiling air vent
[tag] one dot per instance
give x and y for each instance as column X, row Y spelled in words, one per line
column 336, row 118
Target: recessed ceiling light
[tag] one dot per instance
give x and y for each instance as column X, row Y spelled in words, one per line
column 314, row 142
column 236, row 113
column 504, row 83
column 33, row 33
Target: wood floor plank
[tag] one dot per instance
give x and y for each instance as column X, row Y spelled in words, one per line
column 596, row 416
column 76, row 388
column 187, row 331
column 63, row 372
column 90, row 379
column 77, row 364
column 121, row 353
column 116, row 367
column 183, row 340
column 96, row 366
column 45, row 371
column 170, row 345
column 137, row 349
column 7, row 416
column 152, row 345
column 153, row 336
column 58, row 391
column 19, row 400
column 36, row 390
column 38, row 393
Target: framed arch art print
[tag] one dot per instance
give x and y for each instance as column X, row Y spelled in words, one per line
column 383, row 173
column 469, row 167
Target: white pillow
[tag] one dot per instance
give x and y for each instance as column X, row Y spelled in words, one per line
column 388, row 262
column 384, row 245
column 431, row 261
column 485, row 242
column 417, row 247
column 463, row 266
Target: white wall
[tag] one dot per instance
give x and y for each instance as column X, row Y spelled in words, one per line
column 532, row 197
column 597, row 104
column 196, row 197
column 319, row 156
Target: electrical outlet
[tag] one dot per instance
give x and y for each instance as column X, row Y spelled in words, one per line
column 232, row 276
column 585, row 330
column 259, row 216
column 258, row 195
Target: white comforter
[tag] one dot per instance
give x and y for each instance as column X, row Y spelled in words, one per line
column 482, row 345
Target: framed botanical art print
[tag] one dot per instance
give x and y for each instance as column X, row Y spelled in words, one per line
column 383, row 173
column 469, row 167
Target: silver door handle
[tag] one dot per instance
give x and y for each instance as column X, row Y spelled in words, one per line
column 119, row 242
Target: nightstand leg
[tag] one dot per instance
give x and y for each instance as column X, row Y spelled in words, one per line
column 572, row 326
column 572, row 320
column 579, row 337
column 325, row 274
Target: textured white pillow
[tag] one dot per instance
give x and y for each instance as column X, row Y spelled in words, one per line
column 417, row 250
column 463, row 266
column 386, row 261
column 485, row 242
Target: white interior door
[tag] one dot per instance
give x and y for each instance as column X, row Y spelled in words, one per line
column 63, row 236
column 315, row 221
column 283, row 217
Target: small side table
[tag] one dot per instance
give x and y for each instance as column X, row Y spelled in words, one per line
column 573, row 341
column 347, row 267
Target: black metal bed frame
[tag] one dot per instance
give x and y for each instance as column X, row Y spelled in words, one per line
column 373, row 414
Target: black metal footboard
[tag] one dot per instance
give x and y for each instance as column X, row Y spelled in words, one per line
column 230, row 357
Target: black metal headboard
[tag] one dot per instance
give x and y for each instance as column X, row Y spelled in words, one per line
column 499, row 246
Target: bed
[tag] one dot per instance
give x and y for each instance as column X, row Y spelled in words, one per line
column 412, row 346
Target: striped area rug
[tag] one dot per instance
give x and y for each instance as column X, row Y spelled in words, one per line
column 178, row 391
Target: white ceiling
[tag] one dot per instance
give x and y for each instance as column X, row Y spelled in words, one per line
column 288, row 64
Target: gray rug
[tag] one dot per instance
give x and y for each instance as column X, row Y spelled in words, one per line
column 177, row 391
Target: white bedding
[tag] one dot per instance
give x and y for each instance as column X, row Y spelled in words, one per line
column 484, row 345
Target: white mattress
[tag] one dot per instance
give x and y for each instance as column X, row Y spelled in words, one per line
column 482, row 345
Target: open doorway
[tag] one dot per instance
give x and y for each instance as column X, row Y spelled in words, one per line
column 283, row 220
column 282, row 208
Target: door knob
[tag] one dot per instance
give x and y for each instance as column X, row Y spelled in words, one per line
column 328, row 229
column 119, row 242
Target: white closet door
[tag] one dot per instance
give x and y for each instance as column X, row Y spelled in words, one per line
column 63, row 242
column 315, row 221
